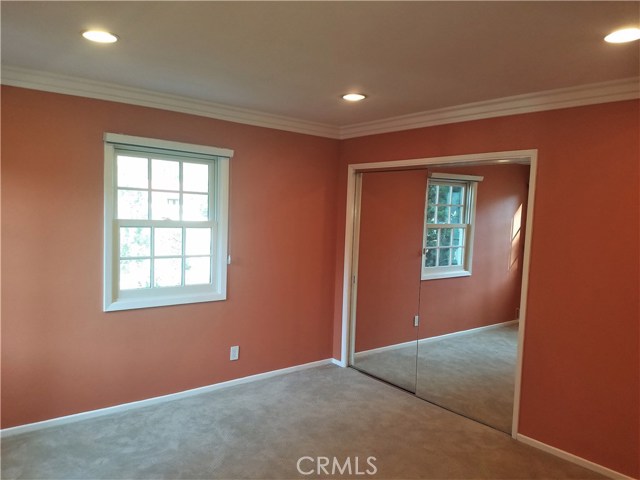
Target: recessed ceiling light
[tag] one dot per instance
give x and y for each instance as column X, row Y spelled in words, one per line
column 100, row 36
column 623, row 36
column 353, row 97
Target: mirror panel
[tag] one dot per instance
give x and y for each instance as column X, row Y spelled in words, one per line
column 388, row 275
column 472, row 374
column 468, row 340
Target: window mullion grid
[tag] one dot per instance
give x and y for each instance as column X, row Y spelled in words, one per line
column 465, row 217
column 212, row 196
column 153, row 228
column 213, row 248
column 213, row 221
column 136, row 295
column 149, row 191
column 438, row 245
column 436, row 227
column 184, row 254
column 115, row 233
column 152, row 251
column 115, row 260
column 436, row 206
column 183, row 273
column 462, row 246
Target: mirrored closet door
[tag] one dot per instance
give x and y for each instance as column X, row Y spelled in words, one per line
column 385, row 330
column 435, row 310
column 468, row 339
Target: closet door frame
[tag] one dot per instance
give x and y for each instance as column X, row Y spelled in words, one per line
column 526, row 157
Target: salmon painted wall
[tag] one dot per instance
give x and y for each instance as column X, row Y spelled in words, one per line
column 60, row 353
column 492, row 293
column 389, row 256
column 581, row 379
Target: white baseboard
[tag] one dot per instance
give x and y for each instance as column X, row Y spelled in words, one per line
column 54, row 422
column 384, row 349
column 467, row 332
column 572, row 458
column 434, row 339
column 337, row 362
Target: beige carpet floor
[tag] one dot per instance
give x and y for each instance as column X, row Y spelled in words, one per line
column 396, row 366
column 472, row 374
column 261, row 429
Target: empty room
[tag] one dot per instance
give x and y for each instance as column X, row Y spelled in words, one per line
column 340, row 239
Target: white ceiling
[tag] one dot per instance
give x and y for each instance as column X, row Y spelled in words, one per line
column 296, row 58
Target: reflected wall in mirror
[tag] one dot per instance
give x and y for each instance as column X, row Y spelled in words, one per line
column 468, row 337
column 388, row 275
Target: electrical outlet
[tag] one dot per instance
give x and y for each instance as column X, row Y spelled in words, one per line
column 234, row 353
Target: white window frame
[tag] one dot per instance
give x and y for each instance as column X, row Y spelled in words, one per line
column 470, row 183
column 218, row 221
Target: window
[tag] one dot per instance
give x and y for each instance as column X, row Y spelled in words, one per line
column 165, row 223
column 449, row 222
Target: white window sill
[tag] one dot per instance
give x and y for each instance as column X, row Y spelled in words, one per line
column 441, row 275
column 162, row 301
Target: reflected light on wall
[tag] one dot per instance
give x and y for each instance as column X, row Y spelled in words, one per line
column 516, row 226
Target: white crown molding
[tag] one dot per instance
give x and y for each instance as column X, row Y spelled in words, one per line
column 613, row 91
column 55, row 83
column 591, row 94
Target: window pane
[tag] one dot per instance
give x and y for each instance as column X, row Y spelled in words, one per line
column 456, row 256
column 432, row 237
column 195, row 207
column 432, row 195
column 135, row 274
column 444, row 195
column 168, row 241
column 195, row 177
column 165, row 206
column 430, row 258
column 165, row 175
column 443, row 215
column 135, row 242
column 431, row 214
column 167, row 272
column 133, row 204
column 456, row 195
column 458, row 236
column 133, row 172
column 445, row 253
column 198, row 241
column 455, row 215
column 197, row 271
column 445, row 237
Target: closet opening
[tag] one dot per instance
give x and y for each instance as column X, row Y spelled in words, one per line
column 436, row 269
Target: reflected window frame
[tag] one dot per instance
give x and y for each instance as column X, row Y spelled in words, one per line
column 179, row 288
column 441, row 225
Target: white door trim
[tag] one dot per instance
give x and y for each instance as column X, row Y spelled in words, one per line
column 355, row 257
column 529, row 157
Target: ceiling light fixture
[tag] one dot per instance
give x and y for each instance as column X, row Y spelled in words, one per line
column 353, row 97
column 100, row 36
column 623, row 36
